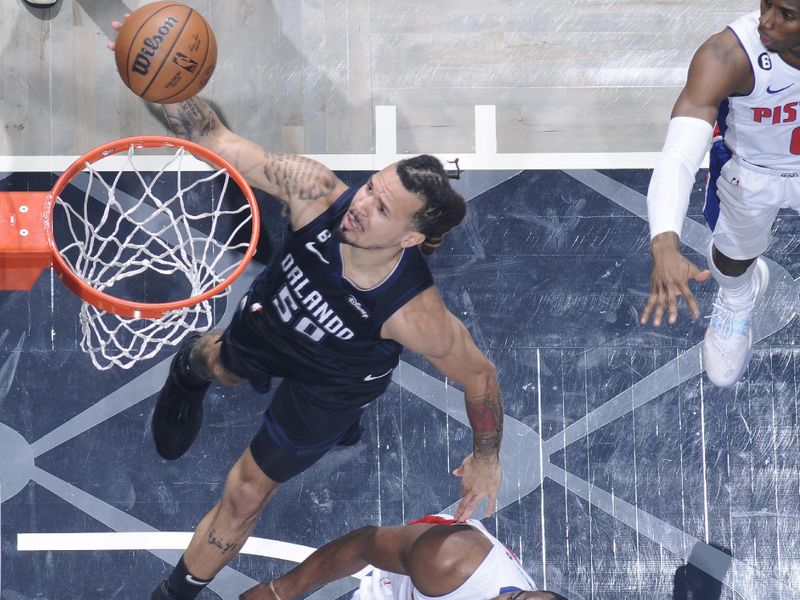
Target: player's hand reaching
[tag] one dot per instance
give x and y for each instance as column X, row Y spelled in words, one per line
column 480, row 478
column 670, row 279
column 116, row 26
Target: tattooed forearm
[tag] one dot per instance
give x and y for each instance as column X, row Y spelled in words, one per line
column 297, row 177
column 485, row 415
column 191, row 119
column 289, row 177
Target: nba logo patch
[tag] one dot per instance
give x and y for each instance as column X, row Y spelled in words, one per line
column 184, row 62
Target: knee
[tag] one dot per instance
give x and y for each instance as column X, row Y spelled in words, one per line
column 729, row 266
column 206, row 359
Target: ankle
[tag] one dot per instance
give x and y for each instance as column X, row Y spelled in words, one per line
column 182, row 585
column 186, row 370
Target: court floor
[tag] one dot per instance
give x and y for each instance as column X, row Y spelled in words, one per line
column 621, row 461
column 627, row 474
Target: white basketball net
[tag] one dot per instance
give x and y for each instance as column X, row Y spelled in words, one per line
column 156, row 233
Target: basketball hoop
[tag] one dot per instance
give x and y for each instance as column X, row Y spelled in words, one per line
column 143, row 243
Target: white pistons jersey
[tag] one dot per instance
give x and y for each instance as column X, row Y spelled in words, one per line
column 499, row 573
column 763, row 127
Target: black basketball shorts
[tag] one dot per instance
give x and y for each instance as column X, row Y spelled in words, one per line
column 297, row 430
column 305, row 419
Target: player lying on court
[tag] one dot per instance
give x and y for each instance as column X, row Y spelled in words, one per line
column 429, row 558
column 746, row 80
column 331, row 315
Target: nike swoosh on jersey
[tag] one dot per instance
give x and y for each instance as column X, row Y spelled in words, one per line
column 374, row 377
column 771, row 91
column 311, row 248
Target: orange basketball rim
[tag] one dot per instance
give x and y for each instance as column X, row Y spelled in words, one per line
column 28, row 245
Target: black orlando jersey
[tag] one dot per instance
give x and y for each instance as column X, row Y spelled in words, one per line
column 323, row 328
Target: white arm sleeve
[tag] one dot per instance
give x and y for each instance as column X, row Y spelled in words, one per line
column 686, row 145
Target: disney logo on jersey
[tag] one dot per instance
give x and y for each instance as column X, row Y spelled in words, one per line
column 322, row 237
column 305, row 309
column 357, row 305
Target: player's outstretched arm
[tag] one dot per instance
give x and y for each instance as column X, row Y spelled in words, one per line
column 719, row 68
column 386, row 548
column 296, row 180
column 301, row 183
column 424, row 325
column 437, row 558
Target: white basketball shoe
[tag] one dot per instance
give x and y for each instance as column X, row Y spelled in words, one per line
column 728, row 344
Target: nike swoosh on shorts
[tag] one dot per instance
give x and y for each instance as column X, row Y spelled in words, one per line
column 374, row 377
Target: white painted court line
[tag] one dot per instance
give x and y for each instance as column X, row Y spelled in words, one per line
column 485, row 157
column 541, row 465
column 161, row 540
column 372, row 162
column 385, row 130
column 485, row 129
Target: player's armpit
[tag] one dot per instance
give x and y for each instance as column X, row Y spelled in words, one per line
column 425, row 326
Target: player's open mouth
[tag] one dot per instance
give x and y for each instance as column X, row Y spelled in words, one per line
column 352, row 222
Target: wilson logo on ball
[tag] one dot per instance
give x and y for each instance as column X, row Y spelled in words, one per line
column 141, row 63
column 165, row 52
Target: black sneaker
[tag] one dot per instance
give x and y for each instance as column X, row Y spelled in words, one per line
column 179, row 409
column 161, row 593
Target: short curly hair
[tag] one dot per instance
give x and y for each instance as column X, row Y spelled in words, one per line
column 442, row 207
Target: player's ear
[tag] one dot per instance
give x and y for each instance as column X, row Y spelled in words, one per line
column 411, row 239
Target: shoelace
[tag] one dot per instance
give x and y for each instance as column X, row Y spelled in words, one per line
column 724, row 319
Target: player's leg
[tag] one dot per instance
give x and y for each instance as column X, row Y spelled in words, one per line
column 748, row 206
column 222, row 532
column 179, row 408
column 298, row 429
column 228, row 357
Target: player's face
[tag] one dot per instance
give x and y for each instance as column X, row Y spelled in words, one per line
column 380, row 215
column 779, row 25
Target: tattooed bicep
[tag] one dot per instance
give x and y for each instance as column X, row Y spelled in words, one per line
column 298, row 178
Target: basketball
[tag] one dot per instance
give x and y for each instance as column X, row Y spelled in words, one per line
column 165, row 52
